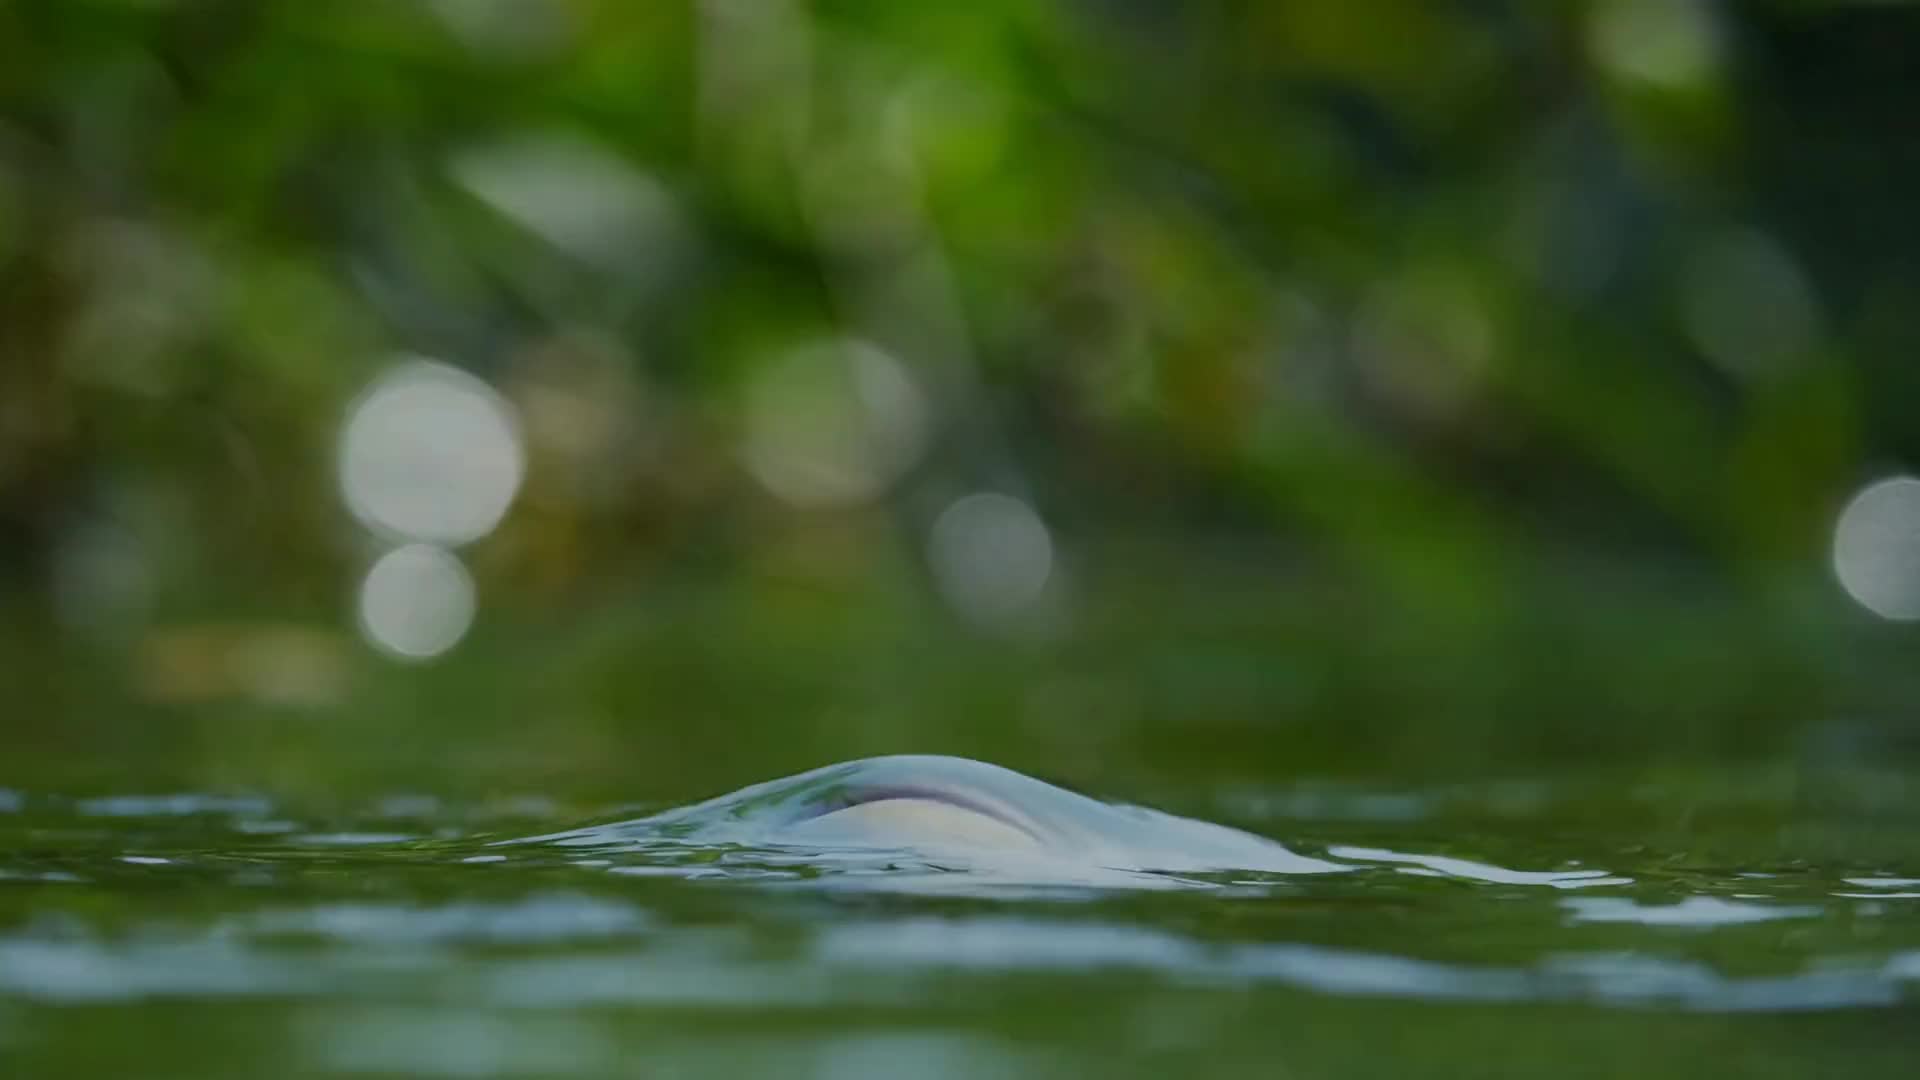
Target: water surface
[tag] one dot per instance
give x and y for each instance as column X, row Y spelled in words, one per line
column 193, row 934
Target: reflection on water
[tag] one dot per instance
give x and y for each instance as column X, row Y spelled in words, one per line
column 537, row 918
column 637, row 958
column 1692, row 911
column 1438, row 865
column 411, row 940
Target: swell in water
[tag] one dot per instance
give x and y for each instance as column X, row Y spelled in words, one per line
column 1062, row 837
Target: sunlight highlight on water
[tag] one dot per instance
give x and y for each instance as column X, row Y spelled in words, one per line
column 1696, row 911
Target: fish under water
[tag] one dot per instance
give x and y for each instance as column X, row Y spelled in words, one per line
column 954, row 814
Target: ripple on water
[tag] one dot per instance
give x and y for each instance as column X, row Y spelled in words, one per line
column 1477, row 871
column 440, row 1041
column 183, row 804
column 718, row 968
column 1616, row 978
column 87, row 970
column 548, row 918
column 1692, row 911
column 629, row 916
column 353, row 839
column 1899, row 885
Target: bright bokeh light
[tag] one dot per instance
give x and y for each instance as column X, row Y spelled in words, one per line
column 1876, row 548
column 416, row 602
column 833, row 424
column 991, row 556
column 430, row 453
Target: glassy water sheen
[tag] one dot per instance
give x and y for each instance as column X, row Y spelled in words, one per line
column 772, row 932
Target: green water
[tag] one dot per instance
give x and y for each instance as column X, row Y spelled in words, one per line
column 1646, row 836
column 1487, row 929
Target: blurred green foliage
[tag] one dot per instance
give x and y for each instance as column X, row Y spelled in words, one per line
column 1407, row 382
